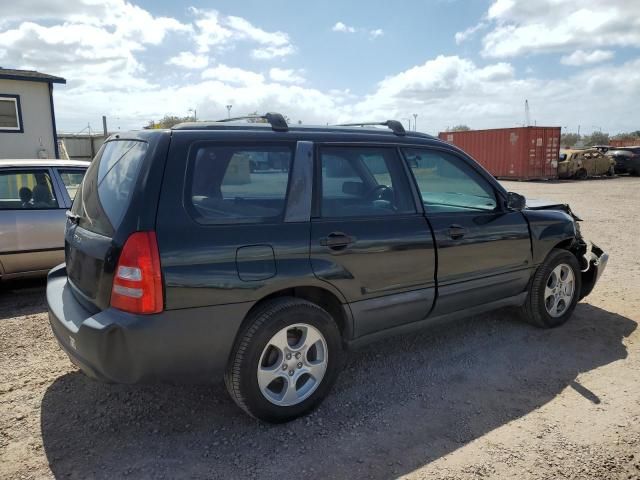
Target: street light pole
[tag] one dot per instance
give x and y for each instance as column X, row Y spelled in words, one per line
column 415, row 122
column 229, row 111
column 408, row 120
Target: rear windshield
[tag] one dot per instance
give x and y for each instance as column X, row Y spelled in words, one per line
column 104, row 195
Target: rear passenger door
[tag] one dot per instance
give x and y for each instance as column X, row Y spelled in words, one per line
column 222, row 232
column 32, row 219
column 368, row 238
column 484, row 250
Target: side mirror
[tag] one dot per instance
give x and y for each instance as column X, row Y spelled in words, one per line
column 515, row 201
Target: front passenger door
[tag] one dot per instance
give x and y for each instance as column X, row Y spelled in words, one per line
column 368, row 239
column 484, row 250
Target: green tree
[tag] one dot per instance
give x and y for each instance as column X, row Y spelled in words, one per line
column 596, row 138
column 569, row 139
column 459, row 128
column 168, row 121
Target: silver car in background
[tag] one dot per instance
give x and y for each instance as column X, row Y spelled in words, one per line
column 34, row 196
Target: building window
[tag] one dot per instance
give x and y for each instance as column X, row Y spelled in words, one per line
column 10, row 114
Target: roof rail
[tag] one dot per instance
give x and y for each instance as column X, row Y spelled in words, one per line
column 277, row 121
column 394, row 125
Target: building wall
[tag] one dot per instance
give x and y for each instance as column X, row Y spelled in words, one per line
column 36, row 121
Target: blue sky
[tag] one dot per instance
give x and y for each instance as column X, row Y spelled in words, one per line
column 448, row 61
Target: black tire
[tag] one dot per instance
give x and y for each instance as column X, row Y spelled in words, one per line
column 534, row 310
column 635, row 173
column 241, row 376
column 611, row 172
column 581, row 174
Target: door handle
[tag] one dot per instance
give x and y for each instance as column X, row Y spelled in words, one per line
column 336, row 240
column 456, row 232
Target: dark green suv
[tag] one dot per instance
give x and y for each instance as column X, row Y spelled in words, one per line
column 185, row 262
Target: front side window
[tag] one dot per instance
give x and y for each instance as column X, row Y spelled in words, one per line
column 26, row 190
column 10, row 120
column 363, row 182
column 239, row 183
column 72, row 180
column 448, row 184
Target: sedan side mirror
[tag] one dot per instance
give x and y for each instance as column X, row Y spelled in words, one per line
column 515, row 201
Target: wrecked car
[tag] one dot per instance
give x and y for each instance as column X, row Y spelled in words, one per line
column 582, row 164
column 179, row 268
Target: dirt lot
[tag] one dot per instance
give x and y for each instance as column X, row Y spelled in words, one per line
column 484, row 397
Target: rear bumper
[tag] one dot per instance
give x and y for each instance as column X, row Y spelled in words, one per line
column 114, row 346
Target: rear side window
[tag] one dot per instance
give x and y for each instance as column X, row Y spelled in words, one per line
column 26, row 190
column 105, row 192
column 238, row 183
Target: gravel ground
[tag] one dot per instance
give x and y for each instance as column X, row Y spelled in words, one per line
column 483, row 397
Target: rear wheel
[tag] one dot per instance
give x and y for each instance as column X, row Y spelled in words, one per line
column 554, row 290
column 612, row 171
column 285, row 360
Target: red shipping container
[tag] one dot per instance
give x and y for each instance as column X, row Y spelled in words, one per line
column 623, row 143
column 522, row 153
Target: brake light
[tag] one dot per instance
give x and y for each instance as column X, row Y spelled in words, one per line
column 137, row 284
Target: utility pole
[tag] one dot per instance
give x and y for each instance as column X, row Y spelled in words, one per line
column 229, row 111
column 527, row 118
column 104, row 125
column 415, row 122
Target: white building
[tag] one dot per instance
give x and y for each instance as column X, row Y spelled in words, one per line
column 27, row 118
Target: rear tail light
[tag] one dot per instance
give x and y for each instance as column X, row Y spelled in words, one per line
column 137, row 284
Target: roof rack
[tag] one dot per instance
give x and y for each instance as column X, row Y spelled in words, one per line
column 277, row 121
column 395, row 126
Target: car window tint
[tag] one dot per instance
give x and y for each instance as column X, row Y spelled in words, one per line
column 448, row 184
column 239, row 183
column 72, row 180
column 26, row 190
column 363, row 182
column 103, row 197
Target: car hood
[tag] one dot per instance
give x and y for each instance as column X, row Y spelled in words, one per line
column 541, row 204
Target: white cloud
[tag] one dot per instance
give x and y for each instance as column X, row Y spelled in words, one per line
column 461, row 37
column 269, row 52
column 233, row 75
column 189, row 60
column 580, row 57
column 450, row 90
column 213, row 30
column 286, row 75
column 344, row 28
column 341, row 27
column 522, row 26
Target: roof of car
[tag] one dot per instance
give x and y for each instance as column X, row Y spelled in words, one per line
column 36, row 162
column 576, row 150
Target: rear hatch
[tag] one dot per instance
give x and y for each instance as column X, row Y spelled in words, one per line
column 103, row 215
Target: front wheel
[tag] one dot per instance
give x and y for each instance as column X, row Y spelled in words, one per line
column 554, row 290
column 285, row 360
column 612, row 171
column 581, row 174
